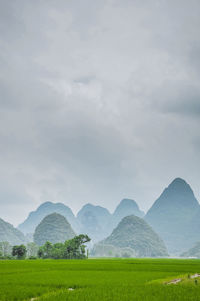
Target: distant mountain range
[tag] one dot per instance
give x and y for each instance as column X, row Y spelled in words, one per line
column 95, row 221
column 174, row 216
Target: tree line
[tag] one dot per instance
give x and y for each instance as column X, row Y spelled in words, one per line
column 74, row 248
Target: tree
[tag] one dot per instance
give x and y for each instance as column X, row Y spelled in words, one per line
column 32, row 249
column 57, row 251
column 5, row 249
column 45, row 250
column 40, row 253
column 75, row 248
column 71, row 249
column 19, row 251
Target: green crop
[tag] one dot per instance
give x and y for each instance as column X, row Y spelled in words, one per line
column 99, row 279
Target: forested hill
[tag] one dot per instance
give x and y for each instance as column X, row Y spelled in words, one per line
column 53, row 228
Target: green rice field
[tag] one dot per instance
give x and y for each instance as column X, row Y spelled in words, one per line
column 99, row 279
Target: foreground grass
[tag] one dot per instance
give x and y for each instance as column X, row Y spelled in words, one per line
column 99, row 279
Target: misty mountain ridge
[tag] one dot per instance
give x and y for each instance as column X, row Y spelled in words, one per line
column 126, row 207
column 94, row 220
column 10, row 234
column 98, row 222
column 193, row 252
column 174, row 216
column 35, row 217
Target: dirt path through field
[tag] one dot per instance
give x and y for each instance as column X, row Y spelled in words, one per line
column 195, row 276
column 177, row 280
column 174, row 281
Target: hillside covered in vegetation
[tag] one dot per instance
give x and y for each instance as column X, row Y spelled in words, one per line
column 53, row 228
column 134, row 233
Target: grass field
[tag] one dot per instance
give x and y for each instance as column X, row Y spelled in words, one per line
column 98, row 279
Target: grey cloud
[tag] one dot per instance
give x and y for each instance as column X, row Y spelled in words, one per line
column 83, row 88
column 178, row 97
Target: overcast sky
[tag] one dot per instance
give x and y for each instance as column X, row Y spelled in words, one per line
column 99, row 100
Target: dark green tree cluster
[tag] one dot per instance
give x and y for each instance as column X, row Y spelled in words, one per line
column 70, row 249
column 7, row 251
column 19, row 252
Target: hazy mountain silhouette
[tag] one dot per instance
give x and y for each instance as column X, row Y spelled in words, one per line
column 125, row 208
column 53, row 228
column 10, row 234
column 193, row 252
column 35, row 217
column 174, row 215
column 94, row 221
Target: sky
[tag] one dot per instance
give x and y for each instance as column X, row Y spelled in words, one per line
column 99, row 101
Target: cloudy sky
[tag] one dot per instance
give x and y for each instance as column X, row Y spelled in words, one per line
column 99, row 100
